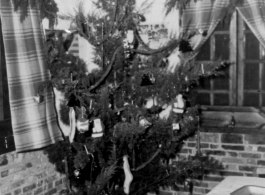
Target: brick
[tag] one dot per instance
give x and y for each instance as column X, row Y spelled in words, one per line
column 52, row 191
column 4, row 173
column 201, row 184
column 231, row 167
column 261, row 149
column 17, row 184
column 51, row 178
column 260, row 170
column 28, row 165
column 165, row 193
column 255, row 139
column 50, row 185
column 66, row 179
column 211, row 178
column 232, row 147
column 232, row 154
column 64, row 192
column 17, row 191
column 214, row 146
column 215, row 152
column 228, row 173
column 59, row 182
column 210, row 137
column 249, row 175
column 3, row 160
column 251, row 148
column 29, row 188
column 199, row 190
column 41, row 175
column 193, row 138
column 246, row 168
column 232, row 138
column 233, row 160
column 16, row 169
column 40, row 183
column 250, row 155
column 186, row 150
column 28, row 193
column 251, row 161
column 261, row 162
column 204, row 145
column 4, row 189
column 193, row 145
column 38, row 191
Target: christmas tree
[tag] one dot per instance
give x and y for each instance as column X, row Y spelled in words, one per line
column 117, row 144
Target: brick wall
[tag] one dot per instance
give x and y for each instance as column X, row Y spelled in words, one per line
column 29, row 174
column 239, row 154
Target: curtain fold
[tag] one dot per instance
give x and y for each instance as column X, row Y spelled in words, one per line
column 204, row 15
column 34, row 125
column 253, row 13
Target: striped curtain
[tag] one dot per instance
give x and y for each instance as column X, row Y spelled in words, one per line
column 34, row 125
column 253, row 13
column 204, row 15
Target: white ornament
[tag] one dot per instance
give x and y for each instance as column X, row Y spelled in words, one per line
column 39, row 98
column 179, row 105
column 98, row 128
column 143, row 122
column 175, row 126
column 130, row 36
column 128, row 175
column 72, row 124
column 82, row 123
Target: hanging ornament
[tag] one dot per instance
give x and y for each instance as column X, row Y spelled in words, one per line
column 141, row 17
column 175, row 126
column 98, row 128
column 184, row 46
column 77, row 173
column 116, row 34
column 202, row 69
column 68, row 41
column 73, row 101
column 148, row 79
column 179, row 104
column 126, row 47
column 73, row 26
column 164, row 63
column 72, row 124
column 130, row 38
column 202, row 32
column 82, row 123
column 128, row 175
column 39, row 98
column 143, row 122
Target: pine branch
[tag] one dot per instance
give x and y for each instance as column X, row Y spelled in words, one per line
column 157, row 182
column 149, row 161
column 107, row 71
column 170, row 46
column 114, row 17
